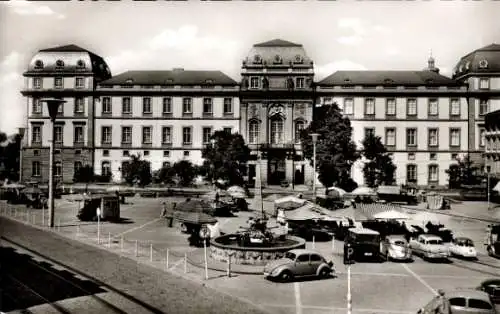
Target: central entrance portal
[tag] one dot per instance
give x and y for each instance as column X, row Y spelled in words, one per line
column 276, row 166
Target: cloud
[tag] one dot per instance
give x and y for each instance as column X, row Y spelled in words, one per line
column 355, row 24
column 323, row 71
column 182, row 47
column 392, row 51
column 350, row 40
column 23, row 7
column 382, row 29
column 11, row 100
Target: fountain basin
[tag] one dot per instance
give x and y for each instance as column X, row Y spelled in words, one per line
column 227, row 245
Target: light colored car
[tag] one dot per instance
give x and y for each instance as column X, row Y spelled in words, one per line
column 464, row 301
column 299, row 263
column 395, row 247
column 429, row 246
column 463, row 247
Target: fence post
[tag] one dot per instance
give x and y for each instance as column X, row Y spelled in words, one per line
column 136, row 248
column 109, row 239
column 185, row 263
column 151, row 252
column 229, row 265
column 166, row 262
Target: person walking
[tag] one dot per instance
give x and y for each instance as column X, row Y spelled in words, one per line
column 443, row 305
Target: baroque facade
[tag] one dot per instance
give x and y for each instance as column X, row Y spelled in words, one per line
column 425, row 119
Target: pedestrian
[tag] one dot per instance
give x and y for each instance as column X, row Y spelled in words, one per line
column 443, row 305
column 170, row 215
column 164, row 210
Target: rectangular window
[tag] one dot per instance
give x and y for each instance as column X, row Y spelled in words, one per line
column 411, row 107
column 78, row 134
column 483, row 106
column 79, row 105
column 186, row 136
column 433, row 107
column 126, row 134
column 166, row 164
column 390, row 108
column 411, row 173
column 254, row 82
column 207, row 133
column 369, row 132
column 126, row 105
column 484, row 83
column 36, row 134
column 106, row 135
column 58, row 169
column 433, row 173
column 79, row 82
column 228, row 105
column 390, row 137
column 146, row 105
column 482, row 138
column 433, row 139
column 167, row 105
column 300, row 82
column 58, row 82
column 105, row 168
column 369, row 106
column 455, row 107
column 349, row 106
column 106, row 105
column 37, row 106
column 454, row 137
column 58, row 134
column 146, row 134
column 433, row 156
column 36, row 169
column 166, row 135
column 60, row 110
column 166, row 153
column 253, row 132
column 37, row 83
column 207, row 106
column 299, row 126
column 186, row 153
column 411, row 137
column 228, row 130
column 186, row 106
column 411, row 156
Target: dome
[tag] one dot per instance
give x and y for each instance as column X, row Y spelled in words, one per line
column 68, row 59
column 278, row 52
column 482, row 60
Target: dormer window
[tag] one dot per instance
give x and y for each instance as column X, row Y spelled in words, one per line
column 460, row 68
column 298, row 59
column 483, row 64
column 388, row 81
column 38, row 64
column 60, row 64
column 257, row 59
column 129, row 81
column 429, row 81
column 467, row 65
column 80, row 64
column 277, row 59
column 347, row 80
column 209, row 81
column 169, row 81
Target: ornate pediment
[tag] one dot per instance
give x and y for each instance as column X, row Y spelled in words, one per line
column 277, row 111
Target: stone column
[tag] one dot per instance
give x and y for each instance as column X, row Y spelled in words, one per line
column 244, row 121
column 264, row 124
column 290, row 169
column 289, row 132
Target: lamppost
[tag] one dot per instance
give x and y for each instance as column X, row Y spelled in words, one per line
column 212, row 165
column 53, row 107
column 488, row 181
column 315, row 140
column 21, row 135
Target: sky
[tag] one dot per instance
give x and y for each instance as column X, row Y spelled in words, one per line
column 197, row 35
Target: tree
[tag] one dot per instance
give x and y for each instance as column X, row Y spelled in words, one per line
column 137, row 171
column 379, row 168
column 185, row 171
column 335, row 151
column 9, row 156
column 464, row 172
column 227, row 158
column 84, row 174
column 165, row 175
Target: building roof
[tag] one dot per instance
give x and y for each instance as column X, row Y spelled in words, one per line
column 479, row 61
column 65, row 48
column 391, row 78
column 492, row 119
column 277, row 43
column 171, row 77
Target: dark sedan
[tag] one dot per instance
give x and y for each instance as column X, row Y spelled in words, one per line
column 491, row 287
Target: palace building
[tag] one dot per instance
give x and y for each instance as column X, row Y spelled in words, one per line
column 426, row 120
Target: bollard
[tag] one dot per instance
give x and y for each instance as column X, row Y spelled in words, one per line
column 166, row 261
column 109, row 239
column 185, row 263
column 15, row 213
column 229, row 265
column 151, row 252
column 77, row 230
column 313, row 244
column 333, row 243
column 121, row 244
column 136, row 248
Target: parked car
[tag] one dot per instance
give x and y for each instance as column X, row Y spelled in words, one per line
column 491, row 287
column 429, row 246
column 395, row 194
column 464, row 301
column 365, row 242
column 395, row 247
column 299, row 263
column 463, row 247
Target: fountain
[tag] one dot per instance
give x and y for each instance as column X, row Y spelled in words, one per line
column 255, row 245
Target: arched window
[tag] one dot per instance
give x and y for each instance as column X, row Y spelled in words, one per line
column 80, row 64
column 38, row 64
column 277, row 130
column 411, row 173
column 299, row 126
column 106, row 168
column 253, row 132
column 59, row 63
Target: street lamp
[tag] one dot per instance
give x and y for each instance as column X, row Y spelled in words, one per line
column 21, row 135
column 315, row 140
column 53, row 107
column 212, row 165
